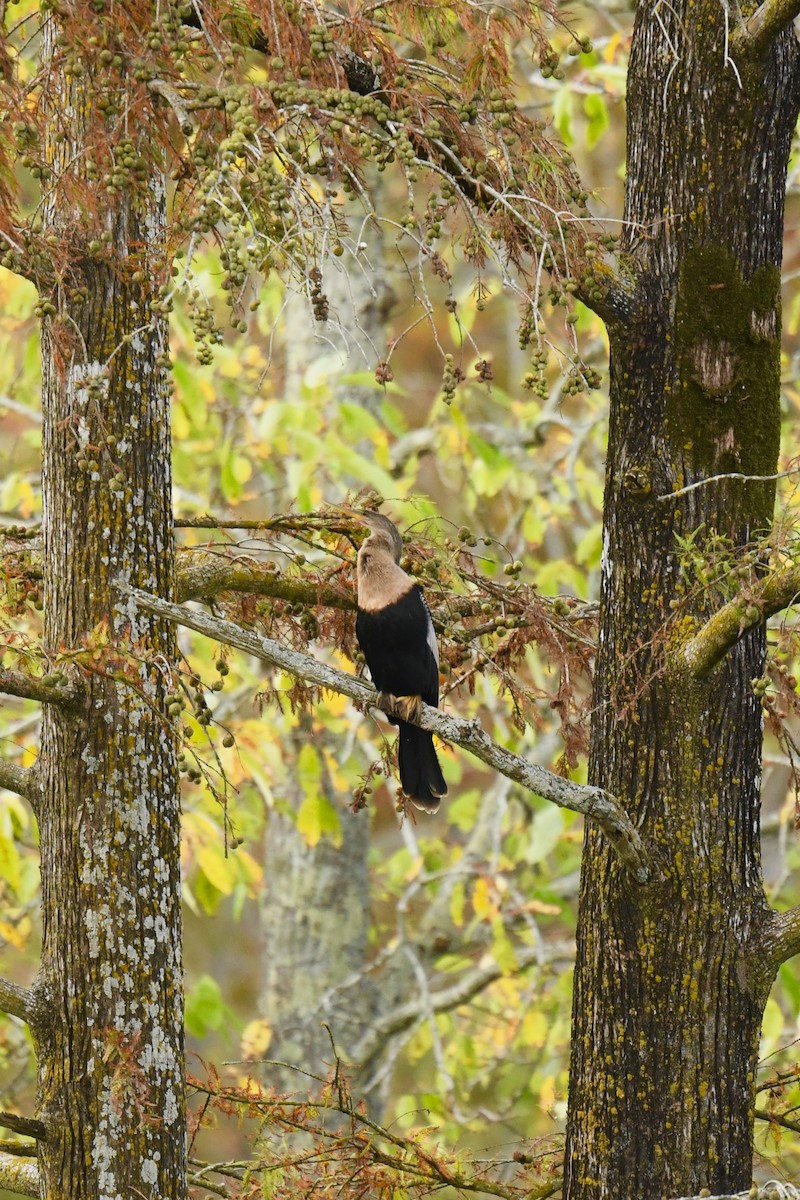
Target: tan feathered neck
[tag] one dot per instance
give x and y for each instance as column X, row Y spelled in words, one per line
column 381, row 580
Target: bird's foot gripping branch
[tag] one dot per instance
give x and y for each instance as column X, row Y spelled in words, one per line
column 595, row 803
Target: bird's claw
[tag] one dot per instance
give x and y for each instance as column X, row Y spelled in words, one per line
column 408, row 708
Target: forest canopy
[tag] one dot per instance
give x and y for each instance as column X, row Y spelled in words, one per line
column 376, row 255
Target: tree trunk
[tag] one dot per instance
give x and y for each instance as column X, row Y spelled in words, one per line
column 315, row 914
column 110, row 1050
column 669, row 990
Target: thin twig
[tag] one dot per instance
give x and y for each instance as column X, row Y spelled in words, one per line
column 691, row 487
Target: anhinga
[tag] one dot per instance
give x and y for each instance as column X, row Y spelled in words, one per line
column 395, row 632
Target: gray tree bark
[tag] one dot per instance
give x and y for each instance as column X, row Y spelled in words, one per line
column 109, row 1030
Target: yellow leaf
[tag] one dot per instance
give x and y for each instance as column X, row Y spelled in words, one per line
column 256, row 1038
column 309, row 769
column 481, row 901
column 249, row 867
column 309, row 820
column 546, row 910
column 218, row 870
column 534, row 1029
column 9, row 934
column 457, row 905
column 547, row 1094
column 336, row 704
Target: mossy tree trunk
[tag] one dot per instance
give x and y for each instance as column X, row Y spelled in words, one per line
column 109, row 1037
column 672, row 978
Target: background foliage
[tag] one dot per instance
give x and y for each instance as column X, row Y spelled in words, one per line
column 497, row 475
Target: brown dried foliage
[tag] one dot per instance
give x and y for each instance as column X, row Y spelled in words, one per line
column 326, row 1146
column 264, row 163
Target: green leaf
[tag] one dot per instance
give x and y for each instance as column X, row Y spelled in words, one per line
column 502, row 947
column 218, row 870
column 190, row 397
column 595, row 108
column 590, row 547
column 545, row 831
column 772, row 1027
column 317, row 817
column 562, row 114
column 205, row 1009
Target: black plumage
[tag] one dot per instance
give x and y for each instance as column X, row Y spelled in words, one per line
column 395, row 632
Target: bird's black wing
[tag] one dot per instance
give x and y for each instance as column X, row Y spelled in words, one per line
column 399, row 644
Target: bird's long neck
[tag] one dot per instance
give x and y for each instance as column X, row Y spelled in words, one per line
column 381, row 581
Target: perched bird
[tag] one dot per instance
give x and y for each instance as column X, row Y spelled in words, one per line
column 395, row 632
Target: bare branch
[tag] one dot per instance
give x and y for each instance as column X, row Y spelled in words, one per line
column 754, row 38
column 19, row 1002
column 28, row 1126
column 19, row 1175
column 715, row 638
column 448, row 998
column 595, row 803
column 21, row 780
column 17, row 683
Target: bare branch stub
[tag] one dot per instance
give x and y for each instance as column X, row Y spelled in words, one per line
column 28, row 1126
column 21, row 780
column 17, row 1001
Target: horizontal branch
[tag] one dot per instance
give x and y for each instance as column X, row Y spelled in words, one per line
column 19, row 1175
column 447, row 998
column 17, row 1001
column 17, row 683
column 719, row 633
column 18, row 1148
column 757, row 34
column 614, row 304
column 28, row 1126
column 595, row 803
column 206, row 575
column 22, row 780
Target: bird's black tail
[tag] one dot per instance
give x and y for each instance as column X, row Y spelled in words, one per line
column 420, row 774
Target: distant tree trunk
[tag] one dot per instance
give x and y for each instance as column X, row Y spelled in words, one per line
column 110, row 1048
column 315, row 921
column 316, row 908
column 671, row 979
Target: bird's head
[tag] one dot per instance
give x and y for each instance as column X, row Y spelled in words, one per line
column 384, row 535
